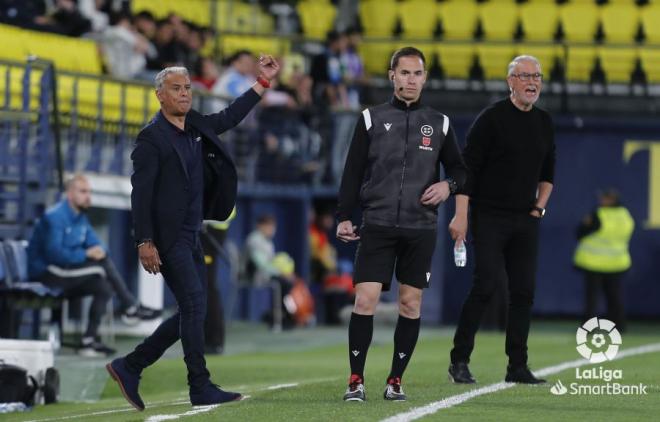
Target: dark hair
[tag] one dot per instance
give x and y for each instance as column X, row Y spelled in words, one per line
column 145, row 14
column 403, row 52
column 237, row 55
column 265, row 219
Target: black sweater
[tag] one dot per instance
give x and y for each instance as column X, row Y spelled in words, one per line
column 508, row 153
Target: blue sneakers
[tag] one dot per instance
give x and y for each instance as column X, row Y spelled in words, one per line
column 212, row 394
column 128, row 382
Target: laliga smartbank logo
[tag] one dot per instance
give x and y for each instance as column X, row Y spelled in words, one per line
column 598, row 340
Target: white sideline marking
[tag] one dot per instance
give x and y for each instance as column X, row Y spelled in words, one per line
column 105, row 412
column 203, row 409
column 419, row 412
column 167, row 403
column 196, row 410
column 280, row 386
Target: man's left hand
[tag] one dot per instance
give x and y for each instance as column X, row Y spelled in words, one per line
column 267, row 67
column 436, row 193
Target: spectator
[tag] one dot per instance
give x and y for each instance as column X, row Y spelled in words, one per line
column 216, row 247
column 602, row 254
column 262, row 266
column 126, row 50
column 21, row 13
column 65, row 19
column 145, row 24
column 239, row 75
column 91, row 10
column 165, row 45
column 336, row 282
column 64, row 252
column 206, row 73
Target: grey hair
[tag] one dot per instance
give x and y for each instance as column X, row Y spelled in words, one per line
column 523, row 58
column 160, row 78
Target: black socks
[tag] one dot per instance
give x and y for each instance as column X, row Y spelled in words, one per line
column 405, row 339
column 360, row 331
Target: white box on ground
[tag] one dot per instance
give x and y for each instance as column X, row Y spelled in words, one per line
column 35, row 356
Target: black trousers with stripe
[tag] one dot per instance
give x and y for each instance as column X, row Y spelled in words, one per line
column 99, row 279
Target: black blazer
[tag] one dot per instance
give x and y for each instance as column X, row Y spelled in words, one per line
column 160, row 180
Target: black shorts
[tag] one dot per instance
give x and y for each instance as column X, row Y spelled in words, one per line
column 382, row 247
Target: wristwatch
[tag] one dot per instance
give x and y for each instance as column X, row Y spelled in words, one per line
column 540, row 210
column 142, row 242
column 453, row 186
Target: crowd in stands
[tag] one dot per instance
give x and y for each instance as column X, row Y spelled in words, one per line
column 303, row 125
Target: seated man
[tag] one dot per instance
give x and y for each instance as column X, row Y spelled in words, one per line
column 261, row 265
column 65, row 252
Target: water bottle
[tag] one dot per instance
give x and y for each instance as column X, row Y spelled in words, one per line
column 460, row 254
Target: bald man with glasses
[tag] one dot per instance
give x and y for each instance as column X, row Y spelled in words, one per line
column 510, row 155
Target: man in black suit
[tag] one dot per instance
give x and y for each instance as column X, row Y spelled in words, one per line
column 182, row 175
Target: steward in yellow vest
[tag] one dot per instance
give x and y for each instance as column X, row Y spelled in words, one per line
column 603, row 254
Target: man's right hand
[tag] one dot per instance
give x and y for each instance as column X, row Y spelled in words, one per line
column 458, row 227
column 149, row 257
column 346, row 231
column 95, row 253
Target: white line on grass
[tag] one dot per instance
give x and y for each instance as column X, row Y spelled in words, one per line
column 280, row 386
column 419, row 412
column 167, row 417
column 153, row 405
column 195, row 411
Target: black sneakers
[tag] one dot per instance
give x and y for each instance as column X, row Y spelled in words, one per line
column 459, row 373
column 137, row 313
column 521, row 375
column 355, row 390
column 91, row 348
column 393, row 391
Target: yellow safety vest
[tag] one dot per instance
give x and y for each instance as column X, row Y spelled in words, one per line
column 606, row 250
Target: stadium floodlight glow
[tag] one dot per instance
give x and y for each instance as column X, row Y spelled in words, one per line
column 606, row 333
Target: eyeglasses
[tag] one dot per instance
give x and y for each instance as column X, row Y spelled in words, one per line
column 528, row 76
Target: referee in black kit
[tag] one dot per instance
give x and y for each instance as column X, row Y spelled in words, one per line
column 392, row 171
column 510, row 155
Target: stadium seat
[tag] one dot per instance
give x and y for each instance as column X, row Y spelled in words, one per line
column 539, row 20
column 620, row 22
column 237, row 16
column 494, row 59
column 650, row 17
column 419, row 19
column 255, row 44
column 16, row 49
column 459, row 19
column 618, row 63
column 499, row 19
column 650, row 59
column 317, row 17
column 579, row 21
column 547, row 55
column 196, row 11
column 376, row 56
column 378, row 17
column 580, row 63
column 456, row 59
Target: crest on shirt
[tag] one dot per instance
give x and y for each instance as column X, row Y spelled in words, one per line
column 387, row 126
column 426, row 144
column 427, row 130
